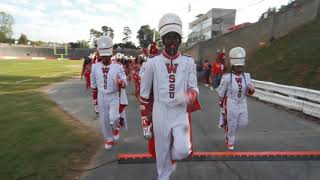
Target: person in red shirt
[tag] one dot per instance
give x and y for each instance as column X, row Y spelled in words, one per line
column 217, row 69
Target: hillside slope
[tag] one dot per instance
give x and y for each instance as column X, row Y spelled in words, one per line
column 291, row 60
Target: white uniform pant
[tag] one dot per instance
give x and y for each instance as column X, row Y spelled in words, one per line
column 172, row 137
column 237, row 116
column 124, row 116
column 108, row 112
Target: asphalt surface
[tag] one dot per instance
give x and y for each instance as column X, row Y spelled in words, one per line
column 270, row 128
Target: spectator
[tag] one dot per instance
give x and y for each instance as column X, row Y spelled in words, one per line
column 199, row 69
column 206, row 73
column 217, row 70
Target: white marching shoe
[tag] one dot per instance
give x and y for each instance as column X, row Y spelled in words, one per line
column 108, row 144
column 116, row 134
column 230, row 146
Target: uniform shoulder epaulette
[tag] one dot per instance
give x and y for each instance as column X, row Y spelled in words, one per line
column 152, row 56
column 184, row 54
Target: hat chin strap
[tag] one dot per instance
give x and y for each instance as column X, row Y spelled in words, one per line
column 236, row 73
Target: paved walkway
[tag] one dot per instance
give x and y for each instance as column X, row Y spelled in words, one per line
column 270, row 129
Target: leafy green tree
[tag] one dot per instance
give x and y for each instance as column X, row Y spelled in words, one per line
column 144, row 36
column 283, row 8
column 23, row 39
column 3, row 37
column 6, row 22
column 271, row 11
column 106, row 30
column 95, row 34
column 38, row 43
column 83, row 44
column 73, row 45
column 158, row 40
column 127, row 45
column 127, row 34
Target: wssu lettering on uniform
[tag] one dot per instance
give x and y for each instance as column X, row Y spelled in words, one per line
column 172, row 69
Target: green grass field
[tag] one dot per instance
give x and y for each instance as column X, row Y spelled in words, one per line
column 36, row 137
column 18, row 75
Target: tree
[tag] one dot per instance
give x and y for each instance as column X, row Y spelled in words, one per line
column 158, row 39
column 83, row 44
column 130, row 45
column 283, row 8
column 271, row 11
column 23, row 39
column 127, row 45
column 6, row 22
column 95, row 34
column 107, row 31
column 127, row 34
column 3, row 37
column 73, row 45
column 79, row 44
column 145, row 36
column 38, row 43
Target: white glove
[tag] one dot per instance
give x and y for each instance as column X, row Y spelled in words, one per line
column 96, row 109
column 181, row 98
column 222, row 111
column 147, row 132
column 186, row 98
column 146, row 127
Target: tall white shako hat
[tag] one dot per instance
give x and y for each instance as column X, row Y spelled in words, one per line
column 105, row 46
column 237, row 56
column 170, row 22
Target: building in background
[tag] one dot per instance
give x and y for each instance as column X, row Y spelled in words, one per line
column 210, row 25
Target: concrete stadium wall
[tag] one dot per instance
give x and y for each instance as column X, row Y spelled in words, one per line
column 78, row 53
column 244, row 37
column 249, row 37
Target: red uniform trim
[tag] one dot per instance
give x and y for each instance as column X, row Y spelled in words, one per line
column 152, row 147
column 166, row 55
column 196, row 106
column 144, row 100
column 94, row 93
column 122, row 107
column 88, row 82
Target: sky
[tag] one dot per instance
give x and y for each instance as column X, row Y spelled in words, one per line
column 71, row 20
